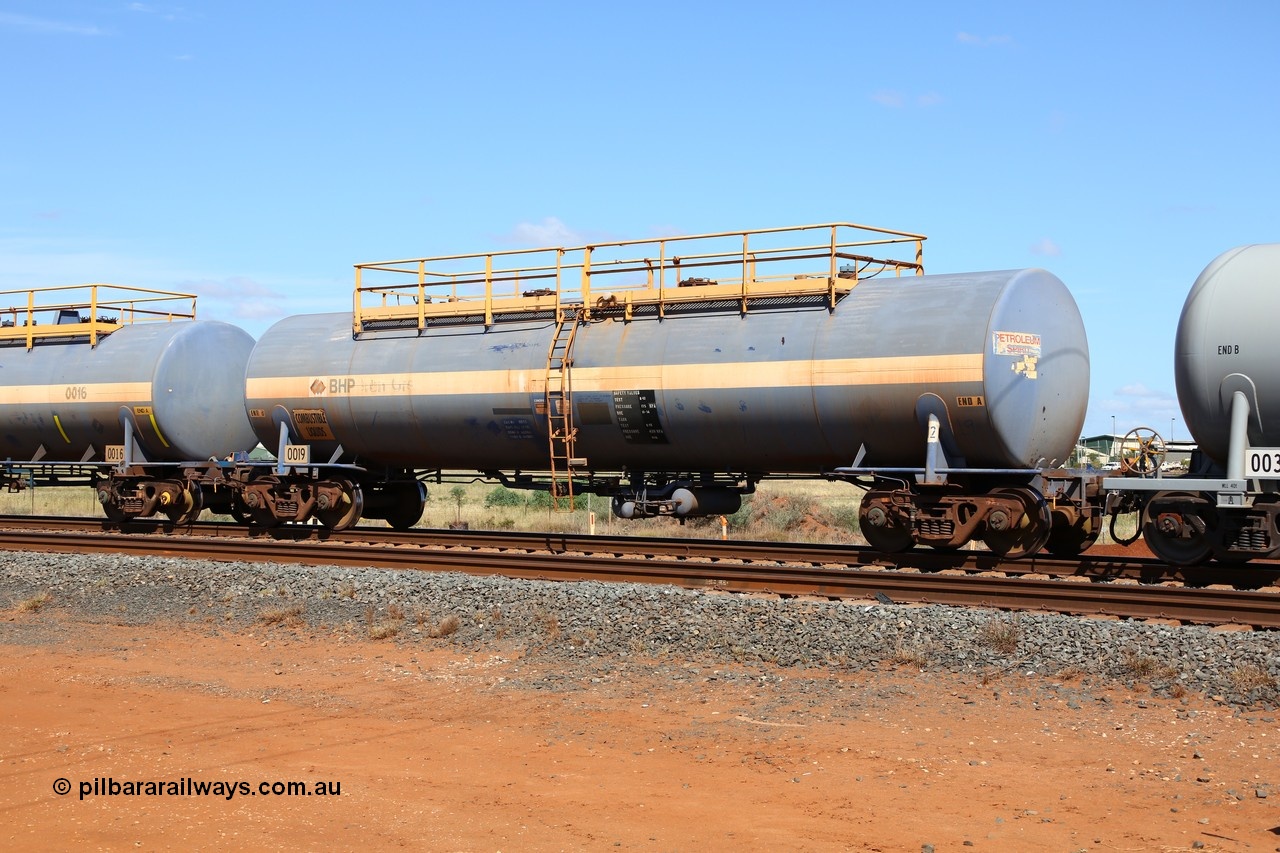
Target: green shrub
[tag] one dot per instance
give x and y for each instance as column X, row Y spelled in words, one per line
column 502, row 496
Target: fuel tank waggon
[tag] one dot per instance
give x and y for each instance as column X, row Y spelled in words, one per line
column 673, row 374
column 789, row 388
column 80, row 365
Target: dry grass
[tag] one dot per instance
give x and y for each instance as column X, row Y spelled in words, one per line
column 289, row 616
column 446, row 626
column 383, row 631
column 1071, row 673
column 1251, row 677
column 790, row 510
column 1144, row 666
column 549, row 624
column 386, row 627
column 35, row 603
column 1002, row 635
column 915, row 656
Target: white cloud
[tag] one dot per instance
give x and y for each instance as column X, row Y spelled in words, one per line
column 1139, row 391
column 28, row 24
column 982, row 41
column 234, row 287
column 246, row 300
column 886, row 98
column 166, row 13
column 897, row 100
column 549, row 232
column 1045, row 246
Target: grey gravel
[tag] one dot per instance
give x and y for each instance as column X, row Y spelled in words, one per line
column 597, row 626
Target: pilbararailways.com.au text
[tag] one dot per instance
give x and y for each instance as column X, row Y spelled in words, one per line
column 188, row 787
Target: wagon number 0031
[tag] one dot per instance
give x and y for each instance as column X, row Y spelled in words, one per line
column 1262, row 462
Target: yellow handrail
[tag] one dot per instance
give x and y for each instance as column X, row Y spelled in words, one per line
column 60, row 307
column 459, row 285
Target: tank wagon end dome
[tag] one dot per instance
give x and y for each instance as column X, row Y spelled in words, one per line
column 1226, row 341
column 1036, row 367
column 198, row 390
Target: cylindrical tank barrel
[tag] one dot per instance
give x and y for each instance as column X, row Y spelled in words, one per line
column 788, row 387
column 181, row 384
column 1225, row 343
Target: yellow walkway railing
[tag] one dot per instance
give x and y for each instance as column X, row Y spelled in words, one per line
column 827, row 258
column 91, row 310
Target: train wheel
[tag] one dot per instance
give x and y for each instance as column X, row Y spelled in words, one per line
column 881, row 534
column 1029, row 535
column 187, row 508
column 110, row 508
column 240, row 513
column 409, row 499
column 1068, row 540
column 347, row 512
column 1177, row 527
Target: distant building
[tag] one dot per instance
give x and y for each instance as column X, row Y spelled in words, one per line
column 1097, row 450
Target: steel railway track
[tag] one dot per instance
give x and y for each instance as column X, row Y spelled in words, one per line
column 1122, row 587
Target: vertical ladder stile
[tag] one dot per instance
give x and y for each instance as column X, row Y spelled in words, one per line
column 561, row 431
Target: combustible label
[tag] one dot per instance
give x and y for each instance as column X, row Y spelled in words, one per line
column 976, row 400
column 312, row 424
column 1015, row 343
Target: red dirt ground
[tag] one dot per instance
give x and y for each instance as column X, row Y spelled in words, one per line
column 435, row 749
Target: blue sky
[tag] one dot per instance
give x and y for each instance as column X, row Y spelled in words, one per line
column 252, row 152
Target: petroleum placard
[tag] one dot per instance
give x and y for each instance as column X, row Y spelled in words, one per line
column 1015, row 343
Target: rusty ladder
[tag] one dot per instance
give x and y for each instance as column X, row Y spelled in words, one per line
column 561, row 433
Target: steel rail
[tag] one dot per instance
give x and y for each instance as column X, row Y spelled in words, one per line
column 1183, row 604
column 1086, row 566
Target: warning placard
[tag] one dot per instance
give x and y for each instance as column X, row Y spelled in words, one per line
column 1015, row 343
column 312, row 424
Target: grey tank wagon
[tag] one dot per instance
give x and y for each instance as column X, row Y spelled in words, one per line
column 672, row 375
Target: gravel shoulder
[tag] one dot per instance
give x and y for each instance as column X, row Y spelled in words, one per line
column 483, row 713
